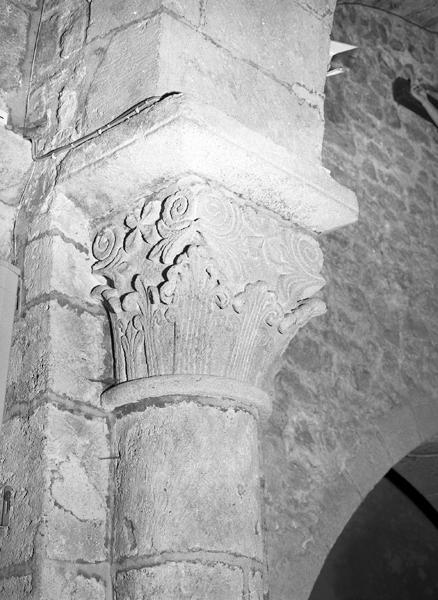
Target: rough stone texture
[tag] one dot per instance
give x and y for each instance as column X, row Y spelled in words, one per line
column 7, row 219
column 53, row 464
column 108, row 15
column 54, row 265
column 282, row 38
column 23, row 469
column 66, row 356
column 16, row 588
column 187, row 480
column 15, row 164
column 183, row 580
column 68, row 581
column 357, row 390
column 77, row 503
column 14, row 23
column 422, row 12
column 160, row 47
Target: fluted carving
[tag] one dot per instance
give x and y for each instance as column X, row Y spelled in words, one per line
column 196, row 281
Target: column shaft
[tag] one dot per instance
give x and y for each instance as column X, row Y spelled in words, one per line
column 187, row 514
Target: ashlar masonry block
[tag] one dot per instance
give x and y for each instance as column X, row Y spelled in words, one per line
column 57, row 349
column 269, row 87
column 54, row 265
column 161, row 506
column 182, row 580
column 282, row 38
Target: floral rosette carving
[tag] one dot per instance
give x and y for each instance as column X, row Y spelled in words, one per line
column 197, row 282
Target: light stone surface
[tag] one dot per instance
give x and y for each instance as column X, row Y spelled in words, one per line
column 15, row 165
column 70, row 581
column 161, row 55
column 7, row 218
column 23, row 468
column 179, row 135
column 66, row 357
column 14, row 23
column 107, row 15
column 52, row 462
column 357, row 390
column 182, row 581
column 213, row 264
column 60, row 215
column 77, row 502
column 16, row 588
column 282, row 38
column 51, row 264
column 187, row 479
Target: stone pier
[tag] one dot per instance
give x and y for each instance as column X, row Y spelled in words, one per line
column 167, row 263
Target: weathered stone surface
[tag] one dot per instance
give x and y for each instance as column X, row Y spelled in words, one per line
column 60, row 215
column 67, row 356
column 68, row 581
column 14, row 23
column 7, row 218
column 77, row 502
column 16, row 588
column 158, row 56
column 187, row 479
column 15, row 164
column 257, row 290
column 53, row 265
column 53, row 464
column 357, row 389
column 203, row 69
column 182, row 580
column 282, row 38
column 22, row 468
column 105, row 16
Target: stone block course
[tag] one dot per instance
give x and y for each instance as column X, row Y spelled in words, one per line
column 61, row 580
column 66, row 357
column 174, row 581
column 14, row 23
column 76, row 449
column 197, row 66
column 53, row 463
column 52, row 264
column 374, row 402
column 282, row 38
column 15, row 165
column 7, row 218
column 108, row 15
column 22, row 468
column 161, row 506
column 61, row 216
column 164, row 54
column 16, row 588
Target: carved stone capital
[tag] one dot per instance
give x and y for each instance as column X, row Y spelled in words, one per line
column 197, row 282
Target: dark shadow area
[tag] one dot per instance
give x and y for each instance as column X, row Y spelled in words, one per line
column 414, row 495
column 401, row 89
column 387, row 551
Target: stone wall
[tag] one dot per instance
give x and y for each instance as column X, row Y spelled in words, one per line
column 263, row 65
column 386, row 551
column 354, row 391
column 357, row 389
column 16, row 31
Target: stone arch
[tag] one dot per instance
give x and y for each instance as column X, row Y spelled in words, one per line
column 370, row 478
column 297, row 556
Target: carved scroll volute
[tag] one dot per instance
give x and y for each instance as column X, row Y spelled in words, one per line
column 196, row 282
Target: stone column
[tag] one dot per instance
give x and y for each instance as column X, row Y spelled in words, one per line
column 204, row 291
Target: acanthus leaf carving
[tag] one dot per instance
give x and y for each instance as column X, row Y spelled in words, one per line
column 197, row 282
